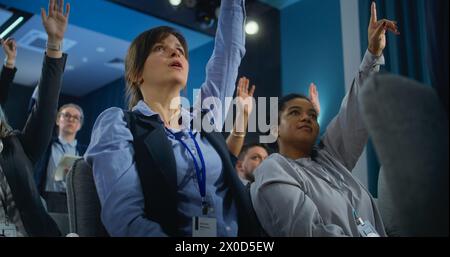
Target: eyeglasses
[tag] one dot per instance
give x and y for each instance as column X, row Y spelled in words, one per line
column 68, row 116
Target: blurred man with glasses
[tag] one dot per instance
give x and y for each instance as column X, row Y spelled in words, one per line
column 63, row 148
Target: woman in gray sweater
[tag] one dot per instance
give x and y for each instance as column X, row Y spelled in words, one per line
column 308, row 190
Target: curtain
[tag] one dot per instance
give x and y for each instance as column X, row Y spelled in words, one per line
column 420, row 52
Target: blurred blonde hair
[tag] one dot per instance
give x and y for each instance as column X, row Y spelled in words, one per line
column 5, row 129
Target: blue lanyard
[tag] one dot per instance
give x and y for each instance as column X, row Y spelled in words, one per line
column 200, row 172
column 61, row 146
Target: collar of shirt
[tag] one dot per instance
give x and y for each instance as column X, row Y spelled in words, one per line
column 64, row 142
column 330, row 176
column 306, row 162
column 144, row 109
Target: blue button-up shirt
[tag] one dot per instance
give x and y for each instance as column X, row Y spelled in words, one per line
column 59, row 148
column 111, row 152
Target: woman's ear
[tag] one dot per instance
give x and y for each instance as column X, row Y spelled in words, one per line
column 274, row 131
column 58, row 116
column 138, row 80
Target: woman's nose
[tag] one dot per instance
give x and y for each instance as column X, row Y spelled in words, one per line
column 305, row 117
column 174, row 52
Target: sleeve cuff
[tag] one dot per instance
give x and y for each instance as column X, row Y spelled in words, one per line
column 371, row 62
column 9, row 71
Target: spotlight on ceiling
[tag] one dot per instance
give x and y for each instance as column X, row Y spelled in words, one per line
column 175, row 2
column 252, row 27
column 11, row 27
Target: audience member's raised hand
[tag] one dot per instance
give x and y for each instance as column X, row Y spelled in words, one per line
column 55, row 23
column 10, row 49
column 377, row 31
column 245, row 96
column 314, row 97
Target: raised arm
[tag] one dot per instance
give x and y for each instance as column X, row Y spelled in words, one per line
column 346, row 135
column 8, row 70
column 244, row 100
column 229, row 49
column 38, row 129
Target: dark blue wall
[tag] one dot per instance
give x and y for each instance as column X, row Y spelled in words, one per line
column 111, row 95
column 311, row 51
column 16, row 107
column 198, row 59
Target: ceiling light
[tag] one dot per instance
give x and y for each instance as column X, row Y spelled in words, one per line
column 11, row 27
column 175, row 2
column 252, row 28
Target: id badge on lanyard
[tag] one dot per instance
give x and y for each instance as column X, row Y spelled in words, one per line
column 365, row 228
column 202, row 226
column 8, row 230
